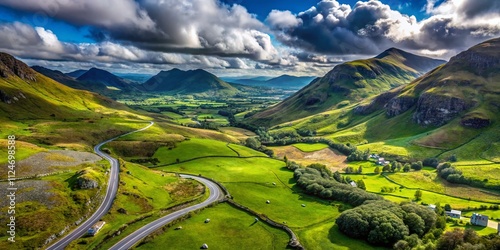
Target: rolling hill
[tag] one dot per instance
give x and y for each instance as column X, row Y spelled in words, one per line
column 77, row 73
column 282, row 82
column 452, row 110
column 26, row 94
column 198, row 81
column 111, row 81
column 71, row 81
column 349, row 82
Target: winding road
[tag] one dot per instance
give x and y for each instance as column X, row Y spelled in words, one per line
column 108, row 199
column 215, row 194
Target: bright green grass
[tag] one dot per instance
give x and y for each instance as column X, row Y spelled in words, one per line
column 193, row 148
column 374, row 184
column 172, row 115
column 481, row 172
column 307, row 147
column 479, row 230
column 245, row 151
column 327, row 236
column 229, row 228
column 419, row 179
column 250, row 182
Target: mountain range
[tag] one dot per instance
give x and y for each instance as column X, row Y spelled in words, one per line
column 282, row 82
column 349, row 83
column 27, row 94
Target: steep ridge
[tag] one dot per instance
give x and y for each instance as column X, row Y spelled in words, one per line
column 26, row 94
column 349, row 82
column 70, row 81
column 198, row 81
column 99, row 76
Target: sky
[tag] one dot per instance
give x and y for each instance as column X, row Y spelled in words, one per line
column 237, row 37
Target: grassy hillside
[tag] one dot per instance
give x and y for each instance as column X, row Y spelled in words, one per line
column 346, row 83
column 198, row 81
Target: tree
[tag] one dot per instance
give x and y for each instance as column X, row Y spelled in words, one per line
column 406, row 167
column 386, row 168
column 417, row 165
column 418, row 195
column 415, row 223
column 394, row 166
column 447, row 207
column 377, row 170
column 252, row 143
column 285, row 159
column 361, row 184
column 360, row 170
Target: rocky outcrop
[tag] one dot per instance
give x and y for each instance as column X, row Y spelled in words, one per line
column 399, row 105
column 378, row 103
column 475, row 122
column 4, row 97
column 437, row 110
column 84, row 183
column 476, row 61
column 10, row 66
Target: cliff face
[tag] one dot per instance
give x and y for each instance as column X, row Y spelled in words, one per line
column 399, row 105
column 465, row 87
column 437, row 110
column 10, row 66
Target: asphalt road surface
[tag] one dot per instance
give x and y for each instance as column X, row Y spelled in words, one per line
column 108, row 199
column 215, row 194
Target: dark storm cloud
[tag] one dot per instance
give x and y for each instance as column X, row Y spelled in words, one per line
column 371, row 26
column 202, row 27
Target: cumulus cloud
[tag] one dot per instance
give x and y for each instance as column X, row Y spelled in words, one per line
column 39, row 43
column 283, row 19
column 371, row 26
column 201, row 27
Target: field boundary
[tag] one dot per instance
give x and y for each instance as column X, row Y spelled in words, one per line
column 294, row 241
column 430, row 191
column 210, row 156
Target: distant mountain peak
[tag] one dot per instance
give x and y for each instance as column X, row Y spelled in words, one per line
column 10, row 66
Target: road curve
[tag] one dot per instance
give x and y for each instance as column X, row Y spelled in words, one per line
column 108, row 199
column 215, row 194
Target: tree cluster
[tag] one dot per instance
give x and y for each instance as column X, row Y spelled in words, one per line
column 453, row 175
column 384, row 223
column 319, row 182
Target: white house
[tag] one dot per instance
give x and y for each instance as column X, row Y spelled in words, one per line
column 479, row 220
column 454, row 214
column 433, row 207
column 353, row 184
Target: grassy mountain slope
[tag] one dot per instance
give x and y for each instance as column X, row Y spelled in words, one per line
column 452, row 110
column 69, row 81
column 188, row 82
column 283, row 81
column 349, row 82
column 99, row 76
column 26, row 94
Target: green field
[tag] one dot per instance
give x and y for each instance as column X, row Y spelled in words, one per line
column 310, row 147
column 327, row 236
column 375, row 183
column 229, row 228
column 253, row 181
column 193, row 148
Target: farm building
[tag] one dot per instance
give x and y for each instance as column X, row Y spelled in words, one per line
column 454, row 214
column 95, row 228
column 353, row 183
column 432, row 206
column 479, row 220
